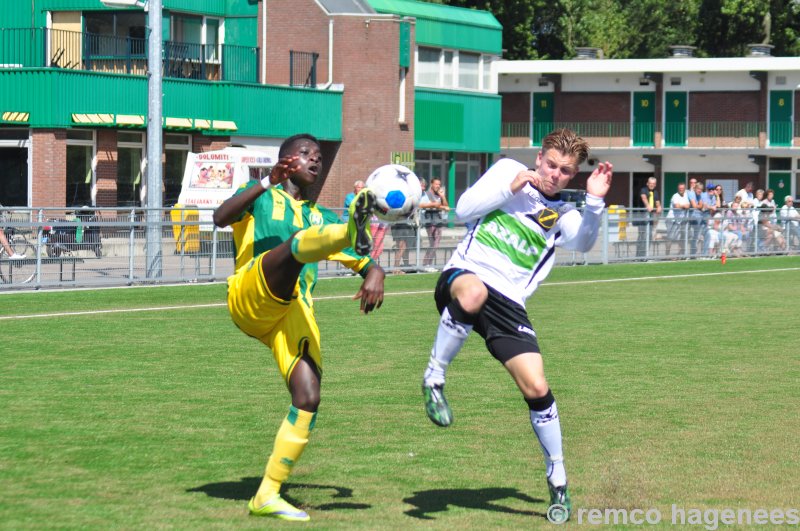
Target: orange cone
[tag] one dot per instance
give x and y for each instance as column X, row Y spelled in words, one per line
column 723, row 258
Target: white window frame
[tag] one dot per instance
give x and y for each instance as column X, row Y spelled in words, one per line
column 203, row 33
column 141, row 144
column 93, row 144
column 484, row 62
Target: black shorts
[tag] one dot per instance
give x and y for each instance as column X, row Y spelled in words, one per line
column 502, row 323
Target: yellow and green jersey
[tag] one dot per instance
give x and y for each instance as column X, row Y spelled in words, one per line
column 273, row 218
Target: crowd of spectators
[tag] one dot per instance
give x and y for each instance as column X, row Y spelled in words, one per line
column 751, row 222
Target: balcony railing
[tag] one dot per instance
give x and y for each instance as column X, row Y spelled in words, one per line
column 42, row 47
column 670, row 134
column 303, row 69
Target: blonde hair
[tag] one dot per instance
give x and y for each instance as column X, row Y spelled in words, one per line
column 567, row 142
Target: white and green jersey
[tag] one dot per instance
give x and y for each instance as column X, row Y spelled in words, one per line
column 512, row 237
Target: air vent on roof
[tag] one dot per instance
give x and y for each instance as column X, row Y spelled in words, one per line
column 682, row 50
column 588, row 53
column 759, row 50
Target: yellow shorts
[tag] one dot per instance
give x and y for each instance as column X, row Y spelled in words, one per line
column 288, row 328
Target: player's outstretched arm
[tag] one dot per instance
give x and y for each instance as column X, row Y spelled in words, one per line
column 231, row 210
column 599, row 182
column 579, row 232
column 491, row 191
column 371, row 290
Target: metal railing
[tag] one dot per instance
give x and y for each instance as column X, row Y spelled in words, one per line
column 43, row 47
column 303, row 69
column 107, row 247
column 674, row 134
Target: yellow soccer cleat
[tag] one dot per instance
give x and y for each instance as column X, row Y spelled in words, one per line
column 277, row 507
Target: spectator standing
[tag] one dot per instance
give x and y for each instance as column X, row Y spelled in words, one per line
column 720, row 199
column 648, row 219
column 733, row 222
column 676, row 219
column 790, row 218
column 769, row 200
column 378, row 228
column 434, row 208
column 696, row 227
column 404, row 234
column 746, row 193
column 357, row 187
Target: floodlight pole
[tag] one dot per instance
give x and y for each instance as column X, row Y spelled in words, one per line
column 153, row 199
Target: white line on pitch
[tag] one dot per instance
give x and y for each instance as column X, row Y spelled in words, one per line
column 423, row 292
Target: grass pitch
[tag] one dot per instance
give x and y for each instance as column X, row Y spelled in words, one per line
column 676, row 385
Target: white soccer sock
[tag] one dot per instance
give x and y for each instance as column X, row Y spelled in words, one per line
column 547, row 427
column 449, row 338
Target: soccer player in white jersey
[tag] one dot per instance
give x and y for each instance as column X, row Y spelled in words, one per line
column 517, row 219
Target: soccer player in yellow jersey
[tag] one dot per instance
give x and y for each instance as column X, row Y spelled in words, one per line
column 280, row 235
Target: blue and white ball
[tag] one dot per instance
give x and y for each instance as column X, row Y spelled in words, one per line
column 397, row 189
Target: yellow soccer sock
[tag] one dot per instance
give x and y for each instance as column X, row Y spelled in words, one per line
column 290, row 442
column 318, row 242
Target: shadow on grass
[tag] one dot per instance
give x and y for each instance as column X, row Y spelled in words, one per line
column 438, row 500
column 245, row 488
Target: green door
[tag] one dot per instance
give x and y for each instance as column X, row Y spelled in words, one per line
column 542, row 116
column 671, row 181
column 644, row 118
column 780, row 118
column 781, row 182
column 675, row 119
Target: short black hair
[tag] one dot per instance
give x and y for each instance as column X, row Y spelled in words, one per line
column 287, row 144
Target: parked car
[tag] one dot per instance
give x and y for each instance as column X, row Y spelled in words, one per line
column 576, row 197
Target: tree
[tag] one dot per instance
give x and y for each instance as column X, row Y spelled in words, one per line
column 517, row 19
column 536, row 29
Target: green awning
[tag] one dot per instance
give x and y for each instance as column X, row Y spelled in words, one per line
column 447, row 26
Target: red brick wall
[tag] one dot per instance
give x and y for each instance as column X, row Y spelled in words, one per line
column 202, row 143
column 724, row 106
column 592, row 107
column 49, row 167
column 298, row 25
column 370, row 127
column 106, row 172
column 516, row 106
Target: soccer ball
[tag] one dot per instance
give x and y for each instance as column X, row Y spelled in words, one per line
column 397, row 189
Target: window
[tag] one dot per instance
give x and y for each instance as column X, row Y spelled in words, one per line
column 430, row 164
column 208, row 31
column 130, row 149
column 446, row 79
column 468, row 64
column 453, row 69
column 486, row 65
column 778, row 164
column 80, row 167
column 176, row 150
column 468, row 170
column 115, row 34
column 428, row 67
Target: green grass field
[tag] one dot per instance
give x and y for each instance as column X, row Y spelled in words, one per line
column 676, row 385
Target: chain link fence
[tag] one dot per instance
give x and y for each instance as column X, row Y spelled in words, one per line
column 108, row 247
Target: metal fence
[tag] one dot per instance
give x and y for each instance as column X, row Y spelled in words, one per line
column 45, row 47
column 70, row 248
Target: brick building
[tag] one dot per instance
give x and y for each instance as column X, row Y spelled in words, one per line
column 73, row 92
column 726, row 121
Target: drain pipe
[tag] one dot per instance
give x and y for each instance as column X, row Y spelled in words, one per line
column 327, row 85
column 264, row 42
